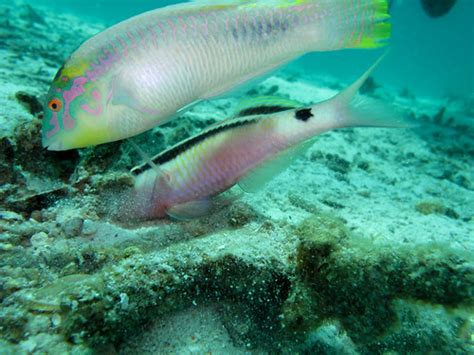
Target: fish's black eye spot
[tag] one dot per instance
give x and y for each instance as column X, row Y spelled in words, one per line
column 303, row 114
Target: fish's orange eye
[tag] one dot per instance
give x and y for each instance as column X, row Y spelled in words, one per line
column 55, row 105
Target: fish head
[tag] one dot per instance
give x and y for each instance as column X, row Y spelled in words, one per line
column 151, row 194
column 75, row 109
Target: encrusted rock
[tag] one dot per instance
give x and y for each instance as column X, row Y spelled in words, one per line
column 73, row 227
column 7, row 174
column 345, row 277
column 30, row 102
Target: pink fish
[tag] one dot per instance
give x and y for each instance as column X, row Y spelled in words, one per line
column 246, row 150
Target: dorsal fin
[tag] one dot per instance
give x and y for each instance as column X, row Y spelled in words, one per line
column 251, row 3
column 204, row 6
column 147, row 160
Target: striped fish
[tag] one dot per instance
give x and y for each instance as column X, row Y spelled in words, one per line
column 246, row 150
column 143, row 71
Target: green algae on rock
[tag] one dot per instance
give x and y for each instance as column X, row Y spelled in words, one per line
column 435, row 207
column 52, row 297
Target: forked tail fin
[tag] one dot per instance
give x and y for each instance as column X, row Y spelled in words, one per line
column 350, row 109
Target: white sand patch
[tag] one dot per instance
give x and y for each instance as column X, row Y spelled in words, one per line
column 198, row 330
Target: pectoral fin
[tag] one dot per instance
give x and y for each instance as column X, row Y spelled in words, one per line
column 190, row 210
column 258, row 177
column 126, row 93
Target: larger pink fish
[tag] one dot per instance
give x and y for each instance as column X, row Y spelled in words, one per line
column 141, row 72
column 246, row 151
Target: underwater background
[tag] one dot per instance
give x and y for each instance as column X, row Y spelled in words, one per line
column 364, row 245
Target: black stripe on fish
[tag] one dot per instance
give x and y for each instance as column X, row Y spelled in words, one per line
column 304, row 114
column 263, row 110
column 180, row 148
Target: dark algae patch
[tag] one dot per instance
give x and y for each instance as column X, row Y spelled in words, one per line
column 362, row 286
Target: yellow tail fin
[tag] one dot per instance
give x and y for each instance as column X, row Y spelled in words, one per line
column 351, row 24
column 378, row 28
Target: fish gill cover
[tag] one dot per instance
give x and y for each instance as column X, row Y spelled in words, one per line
column 363, row 245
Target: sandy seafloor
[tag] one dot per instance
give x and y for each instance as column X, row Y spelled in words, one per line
column 364, row 245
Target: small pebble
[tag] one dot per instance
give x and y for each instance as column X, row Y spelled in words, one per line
column 39, row 240
column 88, row 228
column 29, row 345
column 38, row 324
column 73, row 227
column 37, row 216
column 6, row 246
column 124, row 302
column 56, row 320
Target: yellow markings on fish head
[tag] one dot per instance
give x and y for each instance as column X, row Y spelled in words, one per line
column 76, row 69
column 70, row 70
column 74, row 112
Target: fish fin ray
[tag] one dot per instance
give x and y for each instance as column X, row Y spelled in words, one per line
column 188, row 107
column 145, row 157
